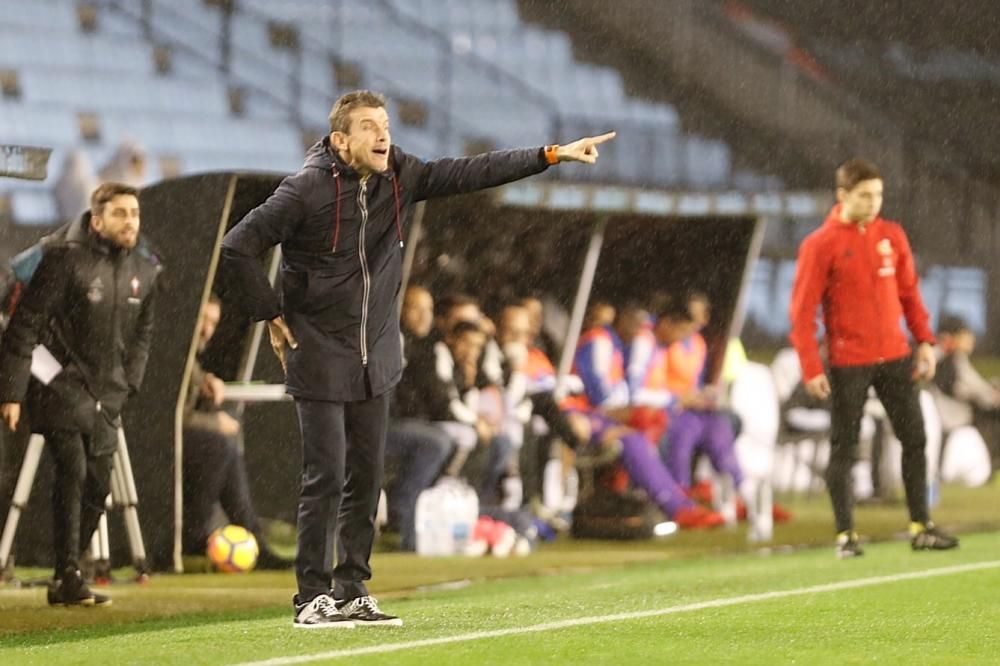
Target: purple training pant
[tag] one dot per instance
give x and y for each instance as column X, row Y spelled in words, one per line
column 709, row 432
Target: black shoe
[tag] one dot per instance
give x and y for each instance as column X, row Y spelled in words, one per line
column 364, row 611
column 70, row 590
column 928, row 537
column 848, row 545
column 320, row 613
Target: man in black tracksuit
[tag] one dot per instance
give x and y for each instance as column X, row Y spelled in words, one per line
column 90, row 304
column 340, row 222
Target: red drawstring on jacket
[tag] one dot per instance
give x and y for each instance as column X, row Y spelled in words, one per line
column 399, row 226
column 336, row 222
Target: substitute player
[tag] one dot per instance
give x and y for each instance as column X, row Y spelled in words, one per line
column 860, row 268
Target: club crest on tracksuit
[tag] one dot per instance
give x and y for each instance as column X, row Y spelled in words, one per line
column 95, row 292
column 134, row 284
column 884, row 249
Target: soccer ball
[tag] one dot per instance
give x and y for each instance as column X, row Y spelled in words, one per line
column 232, row 549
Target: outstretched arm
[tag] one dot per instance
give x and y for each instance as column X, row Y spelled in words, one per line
column 458, row 175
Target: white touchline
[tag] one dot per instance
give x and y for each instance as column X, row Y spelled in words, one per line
column 634, row 615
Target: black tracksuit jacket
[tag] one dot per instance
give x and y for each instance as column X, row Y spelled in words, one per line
column 342, row 249
column 90, row 303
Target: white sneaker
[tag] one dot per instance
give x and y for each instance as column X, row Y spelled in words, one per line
column 320, row 613
column 364, row 611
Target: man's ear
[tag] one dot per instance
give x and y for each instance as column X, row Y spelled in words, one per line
column 96, row 223
column 338, row 140
column 841, row 194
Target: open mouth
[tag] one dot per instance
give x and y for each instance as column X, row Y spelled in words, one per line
column 380, row 151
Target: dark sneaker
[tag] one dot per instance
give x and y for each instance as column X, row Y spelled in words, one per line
column 848, row 545
column 70, row 590
column 320, row 613
column 364, row 611
column 928, row 537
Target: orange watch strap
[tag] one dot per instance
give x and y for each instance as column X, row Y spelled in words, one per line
column 551, row 156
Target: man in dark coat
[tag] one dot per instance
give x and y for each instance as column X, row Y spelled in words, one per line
column 340, row 222
column 88, row 308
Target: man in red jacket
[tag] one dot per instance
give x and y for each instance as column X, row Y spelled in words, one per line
column 860, row 268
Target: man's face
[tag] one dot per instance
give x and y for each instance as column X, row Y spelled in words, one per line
column 669, row 331
column 600, row 314
column 701, row 312
column 515, row 327
column 467, row 347
column 469, row 312
column 630, row 324
column 418, row 312
column 210, row 315
column 863, row 202
column 365, row 146
column 118, row 221
column 965, row 341
column 534, row 308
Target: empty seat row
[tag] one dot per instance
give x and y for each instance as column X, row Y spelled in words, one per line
column 88, row 89
column 37, row 47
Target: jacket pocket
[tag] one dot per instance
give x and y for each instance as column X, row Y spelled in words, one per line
column 294, row 286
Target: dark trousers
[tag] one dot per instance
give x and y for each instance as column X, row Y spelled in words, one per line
column 415, row 453
column 80, row 488
column 898, row 392
column 486, row 468
column 342, row 450
column 214, row 471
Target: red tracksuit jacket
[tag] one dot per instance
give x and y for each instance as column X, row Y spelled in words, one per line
column 865, row 279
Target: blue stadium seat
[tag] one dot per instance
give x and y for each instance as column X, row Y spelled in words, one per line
column 38, row 125
column 117, row 24
column 965, row 295
column 189, row 24
column 481, row 72
column 33, row 207
column 707, row 162
column 20, row 49
column 55, row 16
column 760, row 301
column 91, row 90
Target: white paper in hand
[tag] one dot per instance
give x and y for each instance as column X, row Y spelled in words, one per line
column 44, row 365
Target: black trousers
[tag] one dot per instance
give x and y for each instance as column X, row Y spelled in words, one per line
column 899, row 394
column 342, row 457
column 80, row 487
column 214, row 471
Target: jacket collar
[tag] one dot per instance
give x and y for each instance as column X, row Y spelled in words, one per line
column 80, row 232
column 833, row 220
column 323, row 155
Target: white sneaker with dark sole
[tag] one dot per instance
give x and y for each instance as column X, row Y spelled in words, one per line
column 320, row 613
column 364, row 611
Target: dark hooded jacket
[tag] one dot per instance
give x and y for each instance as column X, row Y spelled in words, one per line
column 341, row 240
column 90, row 303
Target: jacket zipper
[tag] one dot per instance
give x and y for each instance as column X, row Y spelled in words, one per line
column 365, row 275
column 114, row 310
column 873, row 277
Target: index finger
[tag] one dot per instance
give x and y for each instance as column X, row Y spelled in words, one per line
column 287, row 332
column 602, row 138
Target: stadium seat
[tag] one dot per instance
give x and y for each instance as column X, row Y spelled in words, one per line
column 55, row 16
column 92, row 90
column 33, row 207
column 20, row 48
column 38, row 125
